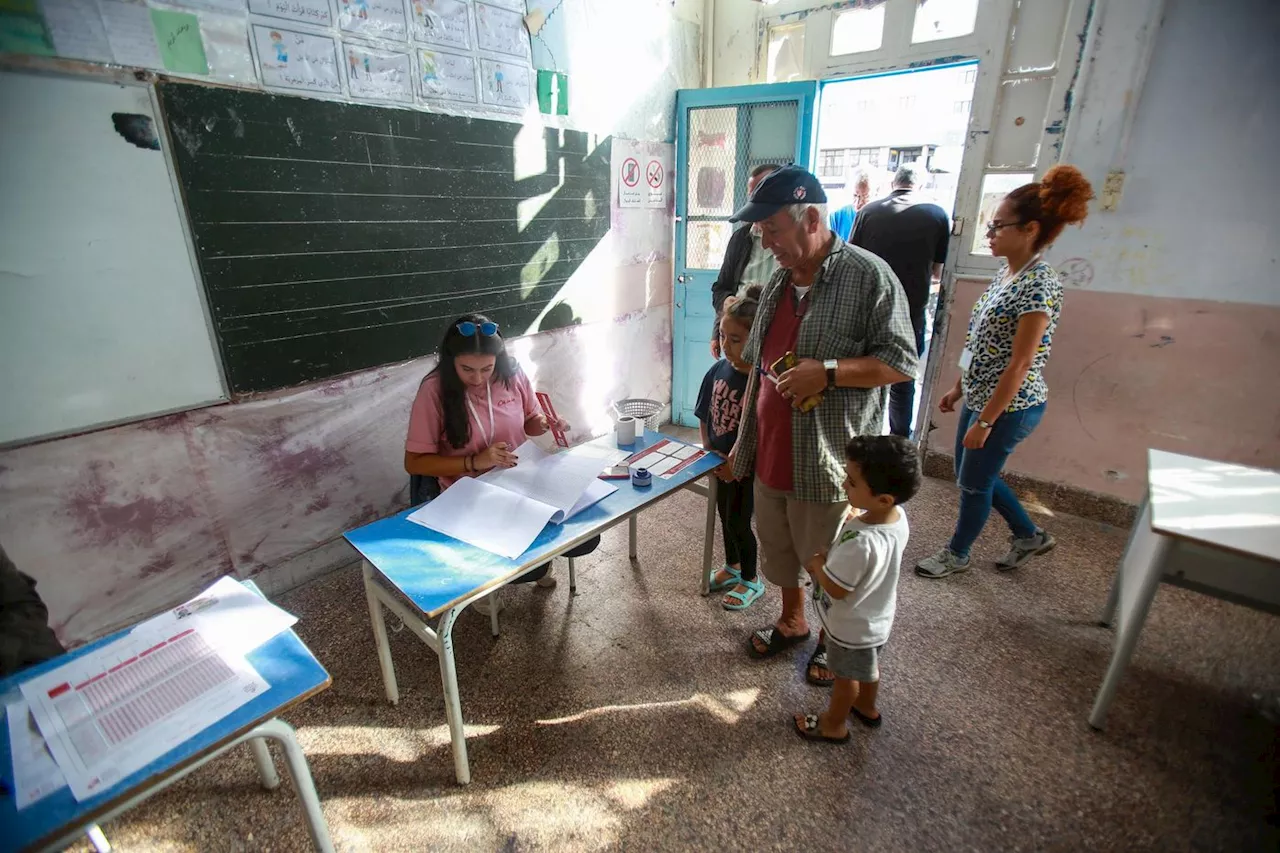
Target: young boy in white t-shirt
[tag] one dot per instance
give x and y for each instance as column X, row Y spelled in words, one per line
column 859, row 580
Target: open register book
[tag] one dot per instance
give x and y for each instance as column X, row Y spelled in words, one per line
column 504, row 510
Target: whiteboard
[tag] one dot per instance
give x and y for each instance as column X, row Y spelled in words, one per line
column 102, row 318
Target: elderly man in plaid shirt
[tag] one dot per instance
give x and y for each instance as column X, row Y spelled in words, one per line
column 844, row 314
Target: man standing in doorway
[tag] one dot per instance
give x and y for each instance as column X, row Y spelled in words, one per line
column 911, row 236
column 841, row 220
column 844, row 316
column 746, row 262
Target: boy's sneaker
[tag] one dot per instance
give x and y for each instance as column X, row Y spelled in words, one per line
column 1021, row 550
column 942, row 564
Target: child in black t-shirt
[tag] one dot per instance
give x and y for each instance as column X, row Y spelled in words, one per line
column 720, row 410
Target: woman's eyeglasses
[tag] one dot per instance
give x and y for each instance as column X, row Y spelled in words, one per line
column 468, row 329
column 995, row 225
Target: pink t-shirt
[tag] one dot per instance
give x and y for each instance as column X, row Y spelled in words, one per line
column 511, row 408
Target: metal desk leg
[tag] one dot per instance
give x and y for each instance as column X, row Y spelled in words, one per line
column 380, row 638
column 1113, row 597
column 282, row 733
column 266, row 767
column 495, row 604
column 573, row 581
column 452, row 702
column 1144, row 571
column 709, row 536
column 98, row 840
column 631, row 532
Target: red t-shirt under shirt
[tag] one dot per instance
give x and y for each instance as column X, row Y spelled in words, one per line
column 773, row 411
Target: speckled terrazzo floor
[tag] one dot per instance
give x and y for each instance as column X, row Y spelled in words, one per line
column 632, row 719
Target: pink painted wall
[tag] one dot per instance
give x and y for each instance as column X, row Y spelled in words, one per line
column 1128, row 373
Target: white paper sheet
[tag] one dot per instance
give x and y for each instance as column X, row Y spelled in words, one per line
column 380, row 19
column 486, row 516
column 296, row 60
column 596, row 492
column 555, row 479
column 231, row 618
column 315, row 12
column 130, row 34
column 501, row 30
column 446, row 75
column 35, row 773
column 76, row 29
column 441, row 22
column 112, row 711
column 378, row 76
column 658, row 465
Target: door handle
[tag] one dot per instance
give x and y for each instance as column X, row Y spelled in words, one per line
column 680, row 279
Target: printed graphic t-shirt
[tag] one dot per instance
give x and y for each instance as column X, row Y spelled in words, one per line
column 866, row 559
column 720, row 405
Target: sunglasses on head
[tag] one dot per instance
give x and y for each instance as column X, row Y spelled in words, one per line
column 467, row 329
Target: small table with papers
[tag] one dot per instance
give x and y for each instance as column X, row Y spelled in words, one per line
column 292, row 674
column 427, row 578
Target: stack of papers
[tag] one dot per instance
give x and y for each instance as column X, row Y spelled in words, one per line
column 104, row 715
column 504, row 510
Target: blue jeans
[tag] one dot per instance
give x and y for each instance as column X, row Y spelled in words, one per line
column 902, row 395
column 978, row 474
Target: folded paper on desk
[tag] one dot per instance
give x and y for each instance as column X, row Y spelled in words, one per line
column 504, row 510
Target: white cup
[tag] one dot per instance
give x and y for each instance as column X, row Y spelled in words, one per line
column 627, row 430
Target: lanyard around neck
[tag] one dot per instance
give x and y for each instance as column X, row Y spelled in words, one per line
column 1000, row 287
column 489, row 436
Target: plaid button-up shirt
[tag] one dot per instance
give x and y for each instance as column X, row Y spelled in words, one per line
column 857, row 308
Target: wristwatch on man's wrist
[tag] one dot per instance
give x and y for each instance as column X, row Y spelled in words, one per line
column 831, row 364
column 985, row 424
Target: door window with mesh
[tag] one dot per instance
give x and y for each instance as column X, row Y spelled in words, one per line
column 725, row 144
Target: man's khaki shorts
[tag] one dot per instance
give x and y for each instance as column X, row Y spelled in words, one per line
column 791, row 531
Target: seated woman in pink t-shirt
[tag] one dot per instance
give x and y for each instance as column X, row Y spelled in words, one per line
column 471, row 413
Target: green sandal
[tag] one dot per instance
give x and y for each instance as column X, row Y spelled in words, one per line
column 755, row 589
column 735, row 578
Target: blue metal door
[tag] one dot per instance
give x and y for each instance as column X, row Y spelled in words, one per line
column 721, row 135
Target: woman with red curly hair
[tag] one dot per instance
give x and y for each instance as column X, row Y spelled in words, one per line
column 1001, row 388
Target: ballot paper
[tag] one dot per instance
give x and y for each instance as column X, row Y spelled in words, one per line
column 504, row 510
column 233, row 619
column 666, row 458
column 110, row 712
column 35, row 773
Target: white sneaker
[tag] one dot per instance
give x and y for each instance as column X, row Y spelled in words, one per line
column 487, row 605
column 942, row 564
column 1021, row 550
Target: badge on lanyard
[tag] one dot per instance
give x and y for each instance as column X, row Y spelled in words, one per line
column 966, row 359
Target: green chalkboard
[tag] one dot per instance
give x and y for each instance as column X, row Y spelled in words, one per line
column 337, row 237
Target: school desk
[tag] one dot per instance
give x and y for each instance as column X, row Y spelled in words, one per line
column 427, row 579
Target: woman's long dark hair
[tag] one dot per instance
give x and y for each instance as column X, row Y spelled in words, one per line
column 457, row 419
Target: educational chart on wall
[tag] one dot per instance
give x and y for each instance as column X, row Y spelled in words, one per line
column 501, row 30
column 130, row 34
column 230, row 7
column 294, row 60
column 447, row 75
column 377, row 75
column 307, row 11
column 504, row 84
column 382, row 19
column 76, row 29
column 443, row 22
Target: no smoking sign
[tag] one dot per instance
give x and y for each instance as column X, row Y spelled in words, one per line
column 642, row 180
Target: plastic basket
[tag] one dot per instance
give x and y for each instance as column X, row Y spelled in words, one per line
column 638, row 407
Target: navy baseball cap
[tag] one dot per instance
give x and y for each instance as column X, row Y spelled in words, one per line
column 789, row 185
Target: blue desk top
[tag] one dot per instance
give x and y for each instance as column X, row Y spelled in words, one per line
column 435, row 571
column 287, row 665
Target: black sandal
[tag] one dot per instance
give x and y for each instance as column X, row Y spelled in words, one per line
column 869, row 722
column 775, row 641
column 818, row 660
column 811, row 729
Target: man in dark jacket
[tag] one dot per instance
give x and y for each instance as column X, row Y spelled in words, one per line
column 25, row 636
column 911, row 236
column 745, row 261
